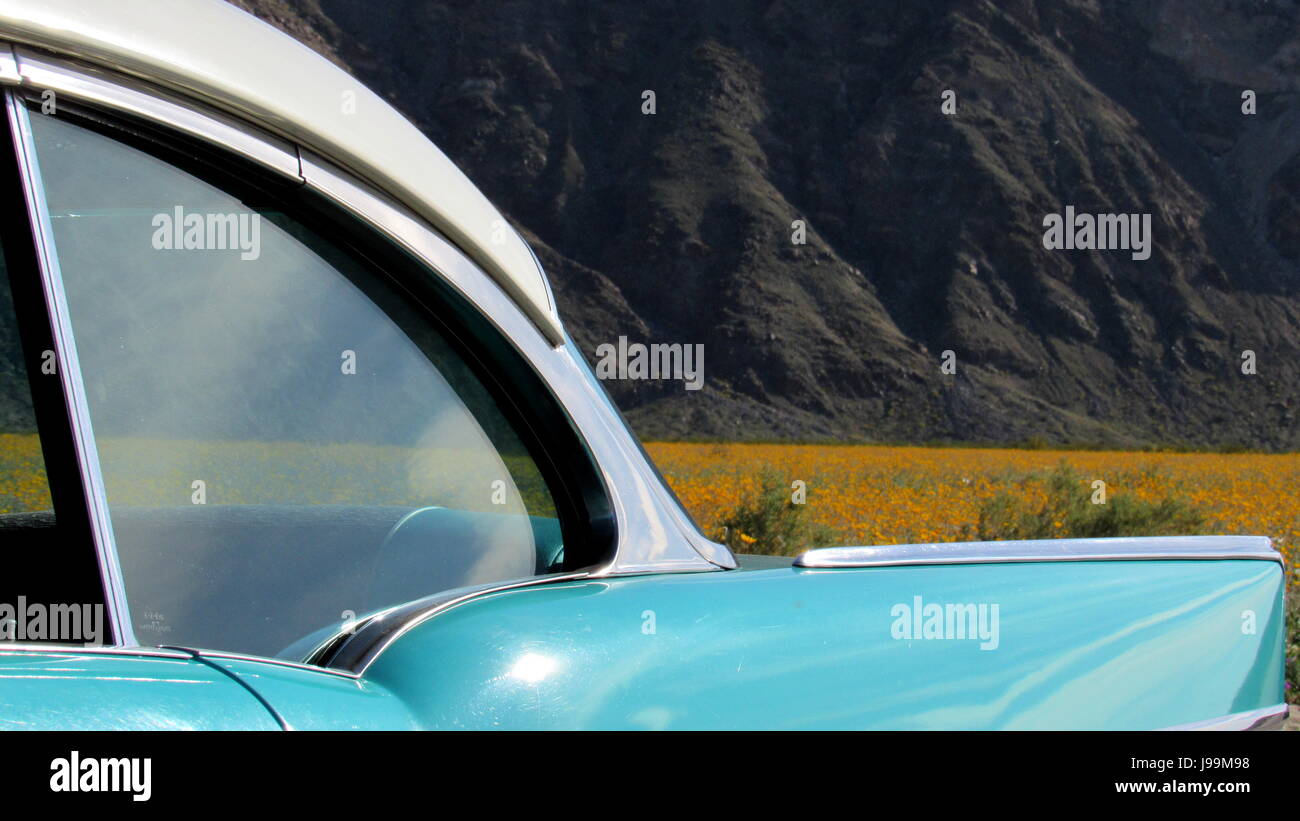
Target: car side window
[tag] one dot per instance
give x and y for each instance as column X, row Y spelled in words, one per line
column 287, row 441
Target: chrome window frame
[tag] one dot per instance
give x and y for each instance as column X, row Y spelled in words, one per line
column 652, row 534
column 68, row 368
column 54, row 649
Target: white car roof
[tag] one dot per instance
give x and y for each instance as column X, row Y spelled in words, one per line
column 228, row 59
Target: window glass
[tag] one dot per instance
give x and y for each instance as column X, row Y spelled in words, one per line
column 286, row 442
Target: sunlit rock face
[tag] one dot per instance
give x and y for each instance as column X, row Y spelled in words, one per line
column 923, row 229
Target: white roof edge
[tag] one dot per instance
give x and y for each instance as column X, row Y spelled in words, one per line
column 228, row 59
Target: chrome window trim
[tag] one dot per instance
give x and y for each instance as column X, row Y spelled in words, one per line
column 39, row 72
column 1157, row 548
column 68, row 367
column 408, row 231
column 103, row 649
column 8, row 66
column 651, row 534
column 1266, row 718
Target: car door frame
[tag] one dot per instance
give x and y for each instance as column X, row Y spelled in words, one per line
column 621, row 495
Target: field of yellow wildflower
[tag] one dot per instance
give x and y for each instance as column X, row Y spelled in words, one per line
column 161, row 472
column 897, row 495
column 22, row 474
column 863, row 494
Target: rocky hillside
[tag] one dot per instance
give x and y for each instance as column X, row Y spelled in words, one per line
column 924, row 229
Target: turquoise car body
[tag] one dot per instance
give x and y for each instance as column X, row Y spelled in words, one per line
column 775, row 647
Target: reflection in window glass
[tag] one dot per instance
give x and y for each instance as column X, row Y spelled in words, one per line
column 283, row 440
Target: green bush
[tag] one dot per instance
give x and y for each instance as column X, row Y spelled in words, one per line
column 1068, row 512
column 770, row 523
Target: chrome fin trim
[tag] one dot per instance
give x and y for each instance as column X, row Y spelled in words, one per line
column 376, row 634
column 1155, row 548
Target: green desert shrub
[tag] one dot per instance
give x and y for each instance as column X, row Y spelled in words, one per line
column 768, row 521
column 1068, row 511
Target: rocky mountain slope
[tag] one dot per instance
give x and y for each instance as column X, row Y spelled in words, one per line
column 924, row 230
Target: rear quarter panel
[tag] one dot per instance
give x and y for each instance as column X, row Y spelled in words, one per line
column 1081, row 645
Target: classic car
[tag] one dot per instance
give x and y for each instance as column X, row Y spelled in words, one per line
column 318, row 453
